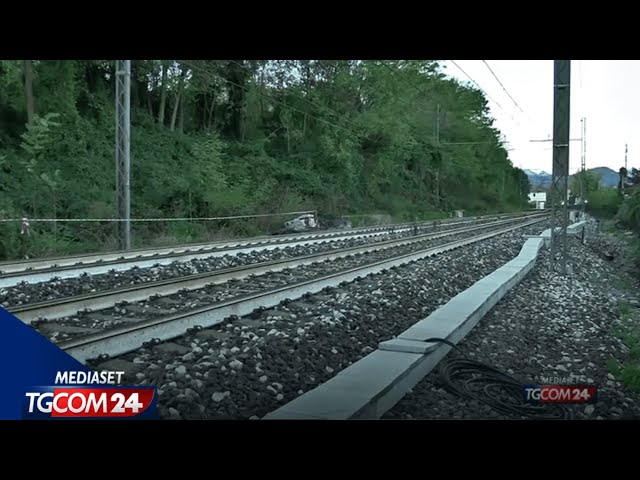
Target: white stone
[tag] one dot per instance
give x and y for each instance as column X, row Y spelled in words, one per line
column 219, row 396
column 235, row 364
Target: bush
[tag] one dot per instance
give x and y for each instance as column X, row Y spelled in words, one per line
column 629, row 213
column 604, row 202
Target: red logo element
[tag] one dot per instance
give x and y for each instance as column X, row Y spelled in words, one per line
column 100, row 402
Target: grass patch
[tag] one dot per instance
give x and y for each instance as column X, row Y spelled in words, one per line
column 625, row 310
column 623, row 284
column 629, row 332
column 609, row 226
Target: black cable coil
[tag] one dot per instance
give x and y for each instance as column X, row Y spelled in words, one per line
column 475, row 380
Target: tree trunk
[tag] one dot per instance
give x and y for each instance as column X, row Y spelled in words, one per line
column 163, row 95
column 260, row 96
column 174, row 114
column 288, row 140
column 28, row 89
column 237, row 78
column 134, row 94
column 205, row 111
column 179, row 96
column 181, row 120
column 150, row 105
column 211, row 114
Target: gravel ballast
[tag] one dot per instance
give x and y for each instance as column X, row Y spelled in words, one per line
column 547, row 326
column 26, row 293
column 84, row 323
column 251, row 366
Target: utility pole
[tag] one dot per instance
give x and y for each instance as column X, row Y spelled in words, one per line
column 583, row 180
column 123, row 144
column 560, row 175
column 625, row 156
column 438, row 152
column 582, row 160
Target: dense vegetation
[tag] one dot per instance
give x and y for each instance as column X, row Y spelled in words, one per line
column 622, row 205
column 230, row 137
column 606, row 202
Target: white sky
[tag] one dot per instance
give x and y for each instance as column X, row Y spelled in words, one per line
column 606, row 92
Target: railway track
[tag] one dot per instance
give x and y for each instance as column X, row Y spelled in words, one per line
column 64, row 307
column 36, row 271
column 129, row 337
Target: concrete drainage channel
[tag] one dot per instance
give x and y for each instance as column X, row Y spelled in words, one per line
column 374, row 384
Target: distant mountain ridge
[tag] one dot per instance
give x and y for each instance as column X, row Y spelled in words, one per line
column 542, row 179
column 608, row 177
column 539, row 179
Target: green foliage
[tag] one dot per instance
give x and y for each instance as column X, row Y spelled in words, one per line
column 591, row 183
column 39, row 134
column 629, row 333
column 629, row 213
column 343, row 137
column 604, row 202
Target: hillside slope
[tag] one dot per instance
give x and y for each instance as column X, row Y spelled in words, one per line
column 212, row 138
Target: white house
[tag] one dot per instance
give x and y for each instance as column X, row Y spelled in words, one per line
column 539, row 199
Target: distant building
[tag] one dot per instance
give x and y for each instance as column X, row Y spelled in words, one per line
column 538, row 199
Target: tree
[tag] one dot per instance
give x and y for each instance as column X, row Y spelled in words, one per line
column 163, row 93
column 623, row 176
column 28, row 89
column 340, row 136
column 178, row 98
column 591, row 183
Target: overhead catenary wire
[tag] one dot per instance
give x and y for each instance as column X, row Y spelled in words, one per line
column 166, row 219
column 480, row 88
column 503, row 87
column 423, row 92
column 357, row 135
column 393, row 71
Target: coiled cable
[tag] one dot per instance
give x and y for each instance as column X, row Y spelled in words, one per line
column 475, row 380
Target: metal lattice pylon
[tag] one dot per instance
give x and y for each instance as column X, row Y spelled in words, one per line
column 123, row 142
column 583, row 167
column 560, row 177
